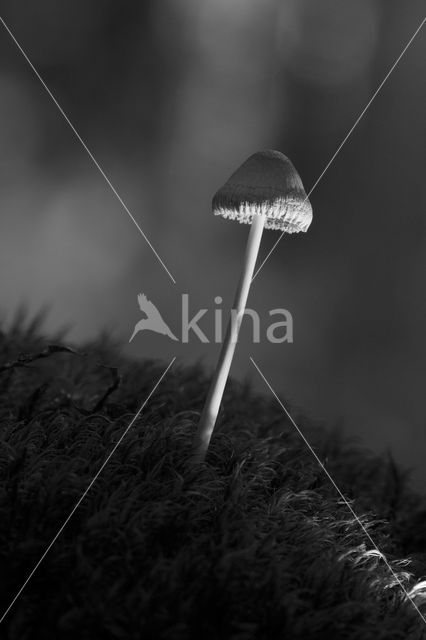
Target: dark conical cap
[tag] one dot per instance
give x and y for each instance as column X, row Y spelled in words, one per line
column 266, row 183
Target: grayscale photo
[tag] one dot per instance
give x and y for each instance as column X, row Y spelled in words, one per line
column 212, row 320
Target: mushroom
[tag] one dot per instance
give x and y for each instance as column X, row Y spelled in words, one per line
column 265, row 191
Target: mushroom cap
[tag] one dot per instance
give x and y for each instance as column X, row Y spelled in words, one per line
column 266, row 183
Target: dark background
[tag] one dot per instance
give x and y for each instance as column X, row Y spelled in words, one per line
column 171, row 96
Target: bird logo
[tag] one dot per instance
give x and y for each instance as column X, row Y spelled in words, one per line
column 153, row 320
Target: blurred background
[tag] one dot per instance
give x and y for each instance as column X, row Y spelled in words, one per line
column 171, row 97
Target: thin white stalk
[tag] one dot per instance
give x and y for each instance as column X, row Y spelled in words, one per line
column 214, row 397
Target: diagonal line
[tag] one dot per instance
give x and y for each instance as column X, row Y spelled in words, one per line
column 86, row 491
column 351, row 130
column 339, row 491
column 89, row 153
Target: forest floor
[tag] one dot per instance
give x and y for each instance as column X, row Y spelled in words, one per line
column 254, row 543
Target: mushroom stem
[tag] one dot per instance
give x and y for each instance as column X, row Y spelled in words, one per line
column 217, row 386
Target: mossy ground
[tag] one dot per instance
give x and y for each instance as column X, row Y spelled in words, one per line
column 256, row 543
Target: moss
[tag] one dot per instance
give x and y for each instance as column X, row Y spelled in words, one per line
column 256, row 543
